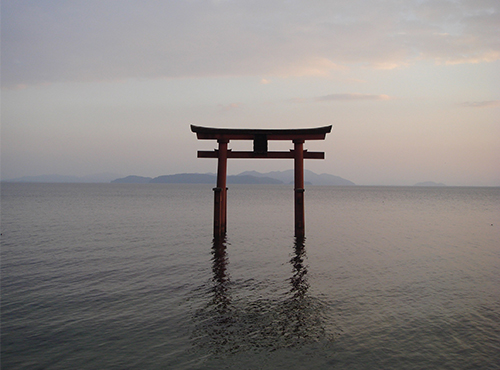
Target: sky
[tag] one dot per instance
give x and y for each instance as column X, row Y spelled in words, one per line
column 411, row 87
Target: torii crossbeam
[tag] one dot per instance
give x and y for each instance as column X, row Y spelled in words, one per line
column 260, row 138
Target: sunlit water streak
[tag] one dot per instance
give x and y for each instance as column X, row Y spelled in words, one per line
column 128, row 276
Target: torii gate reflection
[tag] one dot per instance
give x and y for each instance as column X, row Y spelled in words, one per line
column 260, row 138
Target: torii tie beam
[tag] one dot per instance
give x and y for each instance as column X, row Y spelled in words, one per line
column 260, row 138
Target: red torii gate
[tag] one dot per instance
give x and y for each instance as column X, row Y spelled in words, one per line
column 260, row 139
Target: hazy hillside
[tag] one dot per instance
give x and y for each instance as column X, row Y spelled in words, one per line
column 133, row 180
column 97, row 178
column 248, row 177
column 199, row 178
column 309, row 177
column 185, row 178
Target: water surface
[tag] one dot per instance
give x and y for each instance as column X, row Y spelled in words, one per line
column 122, row 276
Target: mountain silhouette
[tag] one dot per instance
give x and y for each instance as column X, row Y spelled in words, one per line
column 310, row 177
column 247, row 177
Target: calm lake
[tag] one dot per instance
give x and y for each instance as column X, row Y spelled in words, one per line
column 124, row 276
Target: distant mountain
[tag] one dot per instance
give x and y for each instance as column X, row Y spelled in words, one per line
column 429, row 183
column 208, row 178
column 287, row 177
column 45, row 178
column 185, row 178
column 101, row 177
column 247, row 179
column 133, row 180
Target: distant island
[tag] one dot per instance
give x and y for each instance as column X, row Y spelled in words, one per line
column 194, row 178
column 247, row 177
column 105, row 177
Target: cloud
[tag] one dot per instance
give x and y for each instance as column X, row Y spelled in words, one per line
column 341, row 97
column 89, row 40
column 352, row 97
column 307, row 67
column 388, row 65
column 265, row 81
column 490, row 56
column 481, row 104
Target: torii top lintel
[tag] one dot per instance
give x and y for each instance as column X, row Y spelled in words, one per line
column 211, row 133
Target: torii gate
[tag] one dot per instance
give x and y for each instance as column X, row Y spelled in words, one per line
column 260, row 138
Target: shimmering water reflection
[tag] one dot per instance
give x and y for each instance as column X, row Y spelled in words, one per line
column 228, row 324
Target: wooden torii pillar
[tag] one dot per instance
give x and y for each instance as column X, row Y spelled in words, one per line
column 260, row 138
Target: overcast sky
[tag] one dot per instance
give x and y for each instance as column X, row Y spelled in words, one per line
column 411, row 87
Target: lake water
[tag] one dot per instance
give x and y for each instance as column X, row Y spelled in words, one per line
column 123, row 276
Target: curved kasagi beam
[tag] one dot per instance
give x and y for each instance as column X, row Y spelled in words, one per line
column 213, row 133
